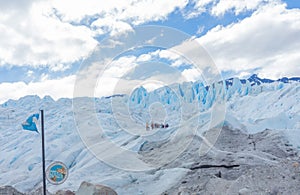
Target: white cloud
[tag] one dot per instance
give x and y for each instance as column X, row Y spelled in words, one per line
column 44, row 77
column 76, row 10
column 170, row 54
column 36, row 32
column 31, row 36
column 237, row 6
column 191, row 74
column 110, row 25
column 200, row 30
column 99, row 78
column 220, row 7
column 191, row 53
column 49, row 33
column 267, row 42
column 144, row 57
column 60, row 67
column 200, row 7
column 178, row 63
column 29, row 73
column 123, row 75
column 151, row 10
column 116, row 16
column 120, row 67
column 55, row 88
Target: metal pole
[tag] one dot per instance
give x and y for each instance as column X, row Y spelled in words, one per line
column 43, row 152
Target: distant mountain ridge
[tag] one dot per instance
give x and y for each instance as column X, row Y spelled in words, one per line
column 255, row 80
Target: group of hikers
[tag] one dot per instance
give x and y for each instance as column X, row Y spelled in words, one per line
column 156, row 125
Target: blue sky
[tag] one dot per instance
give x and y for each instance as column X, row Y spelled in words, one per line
column 45, row 42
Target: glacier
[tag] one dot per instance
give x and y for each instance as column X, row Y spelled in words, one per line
column 252, row 105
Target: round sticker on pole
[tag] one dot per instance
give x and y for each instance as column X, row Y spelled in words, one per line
column 57, row 173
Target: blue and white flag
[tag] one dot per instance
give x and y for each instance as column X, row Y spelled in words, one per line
column 31, row 123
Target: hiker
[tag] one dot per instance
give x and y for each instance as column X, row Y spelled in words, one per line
column 254, row 145
column 219, row 174
column 167, row 125
column 152, row 125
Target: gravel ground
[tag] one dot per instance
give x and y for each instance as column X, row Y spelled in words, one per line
column 262, row 163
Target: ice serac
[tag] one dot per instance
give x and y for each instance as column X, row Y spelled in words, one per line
column 139, row 96
column 201, row 94
column 189, row 92
column 206, row 95
column 246, row 88
column 235, row 88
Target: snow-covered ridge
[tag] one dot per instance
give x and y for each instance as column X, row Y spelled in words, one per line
column 191, row 91
column 206, row 95
column 252, row 105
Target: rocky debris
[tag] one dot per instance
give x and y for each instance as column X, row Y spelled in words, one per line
column 62, row 192
column 88, row 188
column 38, row 191
column 84, row 189
column 8, row 190
column 238, row 163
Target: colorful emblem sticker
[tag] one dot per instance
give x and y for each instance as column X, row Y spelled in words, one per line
column 57, row 173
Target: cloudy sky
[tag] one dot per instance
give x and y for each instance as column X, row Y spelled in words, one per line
column 45, row 46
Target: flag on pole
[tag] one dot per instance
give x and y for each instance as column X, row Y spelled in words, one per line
column 31, row 123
